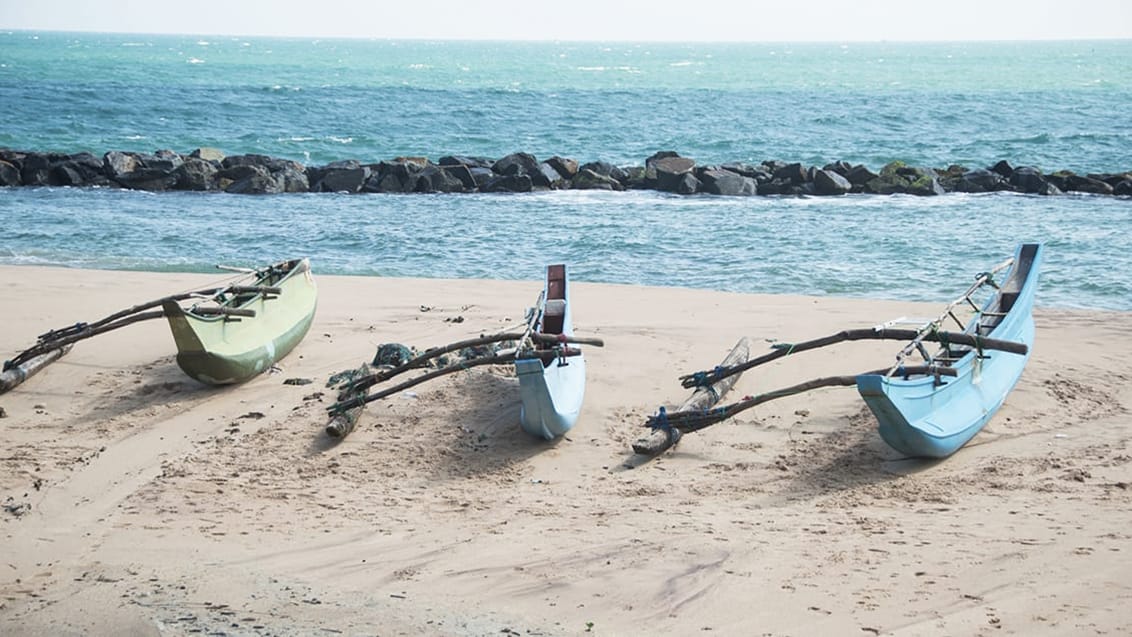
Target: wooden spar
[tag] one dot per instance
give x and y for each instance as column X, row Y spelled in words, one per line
column 870, row 333
column 694, row 421
column 341, row 424
column 344, row 423
column 703, row 398
column 359, row 398
column 55, row 339
column 86, row 332
column 17, row 374
column 370, row 380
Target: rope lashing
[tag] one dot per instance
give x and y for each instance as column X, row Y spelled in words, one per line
column 660, row 421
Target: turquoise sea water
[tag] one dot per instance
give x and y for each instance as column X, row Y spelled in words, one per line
column 1053, row 105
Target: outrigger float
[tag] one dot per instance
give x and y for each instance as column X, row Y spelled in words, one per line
column 928, row 408
column 227, row 334
column 546, row 358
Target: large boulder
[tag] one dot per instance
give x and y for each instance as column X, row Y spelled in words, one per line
column 860, row 175
column 670, row 172
column 565, row 167
column 727, row 183
column 898, row 178
column 349, row 180
column 508, row 183
column 258, row 180
column 516, row 164
column 1029, row 179
column 830, row 183
column 9, row 174
column 1077, row 183
column 794, row 173
column 433, row 178
column 208, row 154
column 35, row 169
column 981, row 180
column 587, row 179
column 195, row 174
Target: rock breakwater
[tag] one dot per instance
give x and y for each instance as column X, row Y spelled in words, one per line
column 210, row 170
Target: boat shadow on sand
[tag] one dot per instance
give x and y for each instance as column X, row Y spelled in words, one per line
column 470, row 422
column 845, row 458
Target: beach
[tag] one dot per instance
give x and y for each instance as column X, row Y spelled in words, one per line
column 138, row 501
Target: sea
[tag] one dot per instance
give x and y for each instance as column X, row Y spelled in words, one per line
column 1052, row 104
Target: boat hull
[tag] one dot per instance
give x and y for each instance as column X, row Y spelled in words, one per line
column 218, row 350
column 930, row 418
column 552, row 393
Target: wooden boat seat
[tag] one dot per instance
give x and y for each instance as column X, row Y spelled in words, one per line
column 553, row 316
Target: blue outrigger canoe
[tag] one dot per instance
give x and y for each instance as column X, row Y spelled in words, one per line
column 931, row 407
column 551, row 388
column 932, row 416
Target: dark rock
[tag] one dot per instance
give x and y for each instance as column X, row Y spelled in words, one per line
column 394, row 176
column 552, row 177
column 1030, row 180
column 840, row 167
column 436, row 179
column 860, row 175
column 898, row 178
column 727, row 183
column 1123, row 189
column 794, row 173
column 163, row 160
column 758, row 173
column 829, row 182
column 9, row 174
column 1003, row 168
column 1109, row 178
column 261, row 183
column 195, row 174
column 516, row 164
column 949, row 177
column 567, row 168
column 463, row 174
column 481, row 175
column 147, row 179
column 348, row 180
column 688, row 184
column 461, row 160
column 981, row 180
column 65, row 174
column 670, row 171
column 118, row 163
column 587, row 179
column 1077, row 183
column 293, row 180
column 35, row 169
column 635, row 177
column 508, row 183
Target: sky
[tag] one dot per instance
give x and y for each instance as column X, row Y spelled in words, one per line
column 601, row 20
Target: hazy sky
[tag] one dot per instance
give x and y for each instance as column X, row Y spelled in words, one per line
column 688, row 20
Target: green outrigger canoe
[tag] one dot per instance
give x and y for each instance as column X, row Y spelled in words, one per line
column 225, row 335
column 221, row 348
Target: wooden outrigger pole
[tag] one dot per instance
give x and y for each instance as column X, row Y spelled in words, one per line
column 353, row 397
column 38, row 356
column 665, row 436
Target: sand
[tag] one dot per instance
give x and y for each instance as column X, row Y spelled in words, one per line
column 136, row 501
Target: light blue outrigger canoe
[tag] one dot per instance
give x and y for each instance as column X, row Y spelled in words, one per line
column 551, row 388
column 925, row 408
column 932, row 416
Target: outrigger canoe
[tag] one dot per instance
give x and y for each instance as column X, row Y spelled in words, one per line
column 547, row 360
column 227, row 334
column 221, row 348
column 924, row 408
column 551, row 387
column 932, row 416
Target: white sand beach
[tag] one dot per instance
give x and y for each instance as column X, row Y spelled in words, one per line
column 137, row 501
